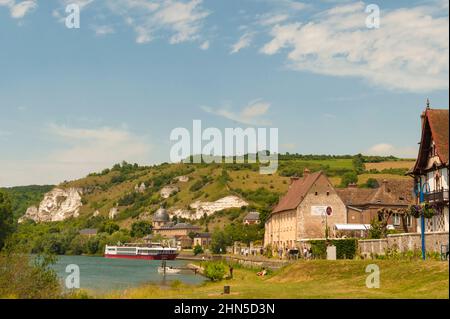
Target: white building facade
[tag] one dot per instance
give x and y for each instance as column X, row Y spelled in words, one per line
column 431, row 171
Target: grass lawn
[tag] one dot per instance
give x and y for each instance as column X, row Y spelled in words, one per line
column 317, row 280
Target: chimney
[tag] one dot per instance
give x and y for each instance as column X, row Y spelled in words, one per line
column 306, row 172
column 352, row 185
column 294, row 178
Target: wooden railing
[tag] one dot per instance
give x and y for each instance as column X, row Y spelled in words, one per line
column 437, row 196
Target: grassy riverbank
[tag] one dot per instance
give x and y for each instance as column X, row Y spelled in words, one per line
column 317, row 279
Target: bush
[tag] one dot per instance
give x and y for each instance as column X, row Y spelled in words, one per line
column 376, row 230
column 25, row 277
column 198, row 250
column 141, row 229
column 372, row 183
column 345, row 248
column 215, row 271
column 349, row 178
column 109, row 227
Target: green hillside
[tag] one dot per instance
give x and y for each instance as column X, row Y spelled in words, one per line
column 207, row 182
column 115, row 187
column 23, row 197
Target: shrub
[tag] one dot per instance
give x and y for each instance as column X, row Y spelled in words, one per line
column 372, row 183
column 25, row 277
column 215, row 271
column 345, row 248
column 349, row 178
column 198, row 250
column 141, row 229
column 109, row 227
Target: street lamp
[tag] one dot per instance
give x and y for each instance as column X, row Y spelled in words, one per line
column 421, row 195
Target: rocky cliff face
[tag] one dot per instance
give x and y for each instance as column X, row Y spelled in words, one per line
column 199, row 209
column 57, row 205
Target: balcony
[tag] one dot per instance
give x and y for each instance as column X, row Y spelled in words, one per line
column 437, row 196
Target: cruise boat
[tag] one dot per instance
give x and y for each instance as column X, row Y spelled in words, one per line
column 137, row 251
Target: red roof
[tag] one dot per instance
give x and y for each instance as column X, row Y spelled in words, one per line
column 438, row 120
column 297, row 192
column 435, row 127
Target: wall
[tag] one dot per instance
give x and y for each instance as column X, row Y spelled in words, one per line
column 404, row 243
column 310, row 226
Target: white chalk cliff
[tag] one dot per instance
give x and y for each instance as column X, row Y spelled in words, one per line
column 199, row 209
column 57, row 205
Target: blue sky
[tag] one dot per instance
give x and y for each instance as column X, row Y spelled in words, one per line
column 73, row 101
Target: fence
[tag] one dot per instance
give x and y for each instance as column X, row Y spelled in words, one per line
column 403, row 243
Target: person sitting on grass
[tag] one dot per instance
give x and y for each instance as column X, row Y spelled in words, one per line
column 262, row 273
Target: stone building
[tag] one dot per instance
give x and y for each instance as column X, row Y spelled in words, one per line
column 363, row 204
column 202, row 239
column 164, row 227
column 302, row 213
column 430, row 172
column 252, row 218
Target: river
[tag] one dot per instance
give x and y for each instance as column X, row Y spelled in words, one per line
column 101, row 275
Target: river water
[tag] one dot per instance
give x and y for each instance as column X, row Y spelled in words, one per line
column 102, row 275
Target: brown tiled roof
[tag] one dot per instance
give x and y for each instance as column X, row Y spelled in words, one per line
column 391, row 192
column 356, row 196
column 438, row 120
column 297, row 192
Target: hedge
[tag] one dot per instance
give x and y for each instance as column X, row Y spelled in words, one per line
column 345, row 248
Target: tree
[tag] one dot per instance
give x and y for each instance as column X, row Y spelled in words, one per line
column 372, row 183
column 6, row 218
column 109, row 227
column 349, row 178
column 358, row 164
column 141, row 229
column 375, row 231
column 198, row 250
column 219, row 242
column 215, row 271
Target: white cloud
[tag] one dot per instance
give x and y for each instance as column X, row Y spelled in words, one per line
column 82, row 4
column 20, row 9
column 385, row 149
column 103, row 145
column 252, row 114
column 82, row 151
column 182, row 20
column 271, row 19
column 408, row 52
column 243, row 42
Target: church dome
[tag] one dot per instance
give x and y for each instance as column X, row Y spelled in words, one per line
column 161, row 215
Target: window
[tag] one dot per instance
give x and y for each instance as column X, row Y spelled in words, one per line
column 396, row 219
column 408, row 221
column 328, row 193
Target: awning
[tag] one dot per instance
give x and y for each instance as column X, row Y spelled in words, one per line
column 351, row 227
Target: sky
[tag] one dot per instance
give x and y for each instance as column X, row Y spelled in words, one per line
column 75, row 101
